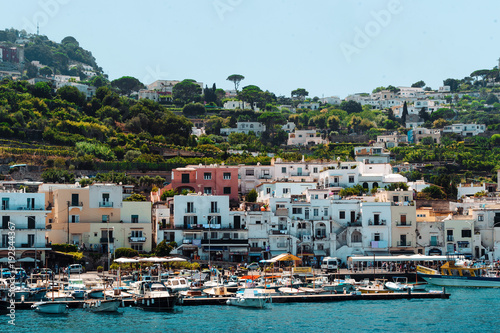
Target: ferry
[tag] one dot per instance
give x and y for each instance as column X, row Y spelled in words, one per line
column 453, row 274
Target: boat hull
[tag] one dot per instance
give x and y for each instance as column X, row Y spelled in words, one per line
column 51, row 307
column 461, row 281
column 166, row 303
column 104, row 306
column 257, row 302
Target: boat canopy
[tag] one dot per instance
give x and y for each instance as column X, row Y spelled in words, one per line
column 415, row 257
column 282, row 257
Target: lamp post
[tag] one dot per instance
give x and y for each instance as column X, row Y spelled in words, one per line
column 107, row 222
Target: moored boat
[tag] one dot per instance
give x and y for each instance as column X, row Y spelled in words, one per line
column 250, row 298
column 452, row 275
column 51, row 307
column 109, row 305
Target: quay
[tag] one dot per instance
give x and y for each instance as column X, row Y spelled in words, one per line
column 309, row 298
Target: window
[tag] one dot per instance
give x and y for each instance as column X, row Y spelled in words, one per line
column 213, row 207
column 286, row 190
column 315, row 170
column 257, row 222
column 265, row 172
column 31, row 222
column 75, row 199
column 207, row 190
column 466, row 233
column 185, row 178
column 283, row 170
column 105, row 197
column 395, row 198
column 342, row 215
column 76, row 218
column 134, row 219
column 296, row 210
column 235, row 235
column 137, row 247
column 480, row 217
column 315, row 211
column 5, row 203
column 31, row 240
column 351, row 179
column 30, row 204
column 249, row 172
column 325, row 211
column 336, row 179
column 136, row 233
column 227, row 190
column 5, row 241
column 227, row 175
column 189, row 207
column 268, row 190
column 377, row 237
column 434, row 241
column 207, row 176
column 105, row 218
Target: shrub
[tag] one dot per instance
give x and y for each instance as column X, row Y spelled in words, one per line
column 65, row 248
column 126, row 252
column 100, row 269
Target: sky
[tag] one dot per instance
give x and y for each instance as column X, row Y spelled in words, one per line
column 328, row 47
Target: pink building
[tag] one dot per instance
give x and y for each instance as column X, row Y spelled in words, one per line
column 210, row 179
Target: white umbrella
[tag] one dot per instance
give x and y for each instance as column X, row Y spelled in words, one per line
column 125, row 260
column 152, row 259
column 175, row 259
column 27, row 259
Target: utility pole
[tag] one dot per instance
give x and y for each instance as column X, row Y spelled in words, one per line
column 68, row 222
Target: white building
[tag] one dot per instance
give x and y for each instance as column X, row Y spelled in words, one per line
column 232, row 105
column 371, row 155
column 288, row 127
column 308, row 105
column 332, row 100
column 304, row 138
column 88, row 91
column 465, row 129
column 23, row 225
column 245, row 127
column 392, row 140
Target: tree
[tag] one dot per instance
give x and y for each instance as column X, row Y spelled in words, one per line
column 452, row 83
column 125, row 252
column 193, row 109
column 72, row 95
column 252, row 196
column 440, row 123
column 434, row 192
column 187, row 91
column 45, row 71
column 136, row 197
column 333, row 123
column 300, row 93
column 236, row 79
column 163, row 249
column 127, row 84
column 418, row 84
column 404, row 115
column 42, row 90
column 250, row 94
column 351, row 107
column 491, row 99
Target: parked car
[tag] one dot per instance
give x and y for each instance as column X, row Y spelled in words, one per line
column 75, row 268
column 6, row 273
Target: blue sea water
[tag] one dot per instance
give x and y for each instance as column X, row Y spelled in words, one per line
column 467, row 310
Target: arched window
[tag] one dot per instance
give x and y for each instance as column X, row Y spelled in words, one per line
column 365, row 185
column 356, row 237
column 375, row 185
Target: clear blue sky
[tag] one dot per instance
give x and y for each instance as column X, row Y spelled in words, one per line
column 327, row 47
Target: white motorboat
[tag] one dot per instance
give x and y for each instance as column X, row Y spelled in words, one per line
column 177, row 284
column 52, row 307
column 110, row 305
column 77, row 288
column 396, row 286
column 21, row 292
column 252, row 298
column 289, row 291
column 97, row 292
column 217, row 291
column 59, row 296
column 154, row 296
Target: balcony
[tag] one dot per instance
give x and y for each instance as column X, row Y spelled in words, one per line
column 214, row 211
column 190, row 210
column 354, row 224
column 9, row 207
column 106, row 240
column 403, row 224
column 105, row 204
column 75, row 204
column 437, row 244
column 404, row 244
column 137, row 239
column 379, row 222
column 265, row 177
column 300, row 174
column 282, row 245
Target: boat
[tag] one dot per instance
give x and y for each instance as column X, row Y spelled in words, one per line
column 77, row 288
column 176, row 284
column 154, row 296
column 252, row 298
column 375, row 287
column 59, row 296
column 399, row 284
column 453, row 274
column 97, row 292
column 289, row 290
column 219, row 291
column 52, row 307
column 22, row 292
column 109, row 305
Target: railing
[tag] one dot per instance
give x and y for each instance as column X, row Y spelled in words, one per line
column 106, row 240
column 403, row 203
column 380, row 222
column 76, row 204
column 22, row 208
column 265, row 177
column 299, row 174
column 404, row 244
column 282, row 245
column 449, row 238
column 354, row 224
column 190, row 210
column 403, row 224
column 436, row 244
column 136, row 239
column 105, row 204
column 214, row 211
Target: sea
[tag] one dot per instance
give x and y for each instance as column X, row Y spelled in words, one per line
column 467, row 310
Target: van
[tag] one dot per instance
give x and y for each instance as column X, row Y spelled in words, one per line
column 76, row 268
column 330, row 264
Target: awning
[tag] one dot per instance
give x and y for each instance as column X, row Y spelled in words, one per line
column 239, row 249
column 275, row 253
column 305, row 255
column 320, row 253
column 255, row 254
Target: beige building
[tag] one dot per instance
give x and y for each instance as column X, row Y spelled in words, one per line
column 95, row 217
